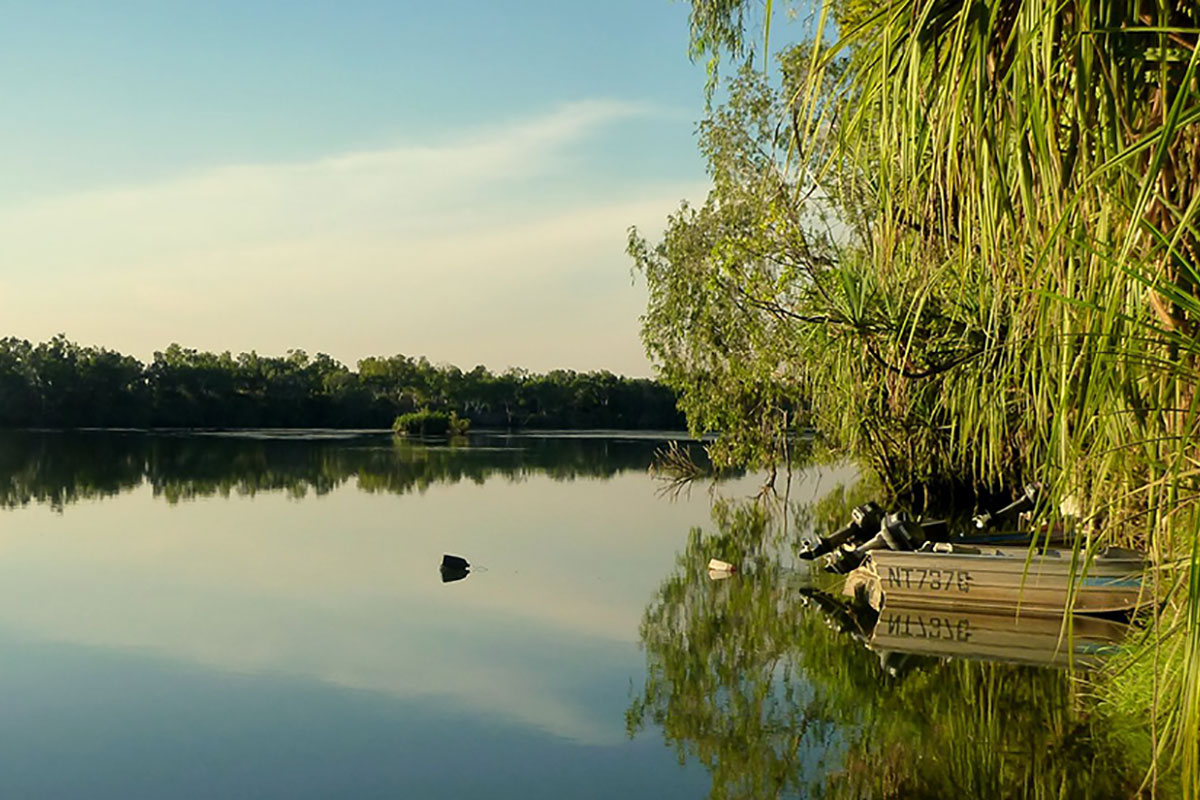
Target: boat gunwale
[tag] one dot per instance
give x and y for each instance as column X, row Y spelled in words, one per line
column 1012, row 562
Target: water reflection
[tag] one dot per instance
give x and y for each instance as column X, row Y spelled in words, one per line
column 779, row 697
column 1009, row 638
column 57, row 469
column 298, row 636
column 312, row 564
column 102, row 724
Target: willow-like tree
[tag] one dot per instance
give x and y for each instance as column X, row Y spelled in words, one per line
column 1014, row 292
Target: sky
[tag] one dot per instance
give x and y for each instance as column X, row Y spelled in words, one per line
column 360, row 177
column 356, row 177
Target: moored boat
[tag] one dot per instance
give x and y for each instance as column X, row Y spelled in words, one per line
column 1005, row 580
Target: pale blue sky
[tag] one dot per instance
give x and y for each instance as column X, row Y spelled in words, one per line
column 354, row 177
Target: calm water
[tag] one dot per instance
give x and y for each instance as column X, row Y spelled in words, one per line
column 263, row 617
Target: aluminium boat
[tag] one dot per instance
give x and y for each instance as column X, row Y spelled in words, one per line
column 1004, row 579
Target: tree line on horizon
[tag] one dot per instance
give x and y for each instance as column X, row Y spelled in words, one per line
column 62, row 384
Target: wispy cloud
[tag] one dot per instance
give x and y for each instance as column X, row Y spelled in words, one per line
column 479, row 244
column 404, row 187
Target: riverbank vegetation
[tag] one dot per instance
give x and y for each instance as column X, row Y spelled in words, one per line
column 431, row 423
column 61, row 384
column 961, row 240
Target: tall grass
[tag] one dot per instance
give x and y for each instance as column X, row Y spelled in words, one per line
column 1031, row 171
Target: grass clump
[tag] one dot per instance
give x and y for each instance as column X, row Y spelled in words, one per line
column 431, row 423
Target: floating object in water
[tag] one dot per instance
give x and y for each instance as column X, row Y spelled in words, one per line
column 450, row 575
column 454, row 562
column 454, row 568
column 719, row 570
column 716, row 565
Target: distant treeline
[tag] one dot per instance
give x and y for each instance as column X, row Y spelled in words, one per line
column 62, row 384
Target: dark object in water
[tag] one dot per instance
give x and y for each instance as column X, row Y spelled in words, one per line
column 454, row 562
column 450, row 574
column 454, row 568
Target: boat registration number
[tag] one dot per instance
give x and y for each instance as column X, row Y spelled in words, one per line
column 935, row 580
column 917, row 626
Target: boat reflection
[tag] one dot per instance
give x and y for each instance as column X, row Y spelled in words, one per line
column 1063, row 640
column 783, row 687
column 1072, row 641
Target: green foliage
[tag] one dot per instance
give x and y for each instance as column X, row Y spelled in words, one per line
column 751, row 681
column 61, row 384
column 745, row 677
column 431, row 423
column 1016, row 291
column 726, row 351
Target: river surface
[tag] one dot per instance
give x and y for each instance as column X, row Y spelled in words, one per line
column 262, row 616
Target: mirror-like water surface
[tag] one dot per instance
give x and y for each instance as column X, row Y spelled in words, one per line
column 263, row 616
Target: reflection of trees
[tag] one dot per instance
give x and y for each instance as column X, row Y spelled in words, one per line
column 742, row 676
column 58, row 469
column 724, row 678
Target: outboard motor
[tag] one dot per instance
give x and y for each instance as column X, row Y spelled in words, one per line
column 897, row 532
column 864, row 522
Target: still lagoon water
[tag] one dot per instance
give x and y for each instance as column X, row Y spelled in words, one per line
column 262, row 616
